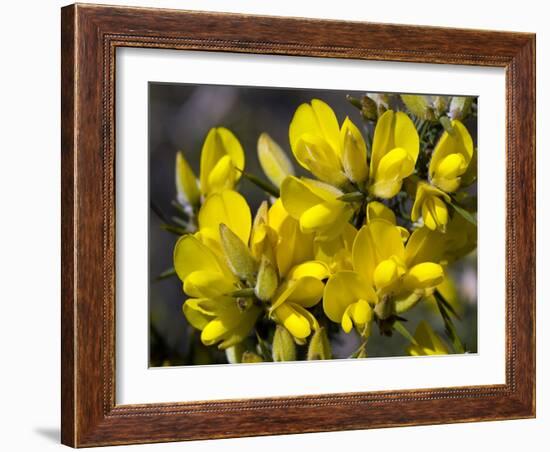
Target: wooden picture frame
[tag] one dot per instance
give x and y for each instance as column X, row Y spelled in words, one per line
column 90, row 36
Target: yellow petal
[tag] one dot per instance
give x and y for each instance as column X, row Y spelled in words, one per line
column 393, row 130
column 297, row 196
column 376, row 242
column 293, row 320
column 186, row 182
column 336, row 253
column 227, row 207
column 306, row 292
column 190, row 255
column 376, row 209
column 446, row 173
column 424, row 245
column 222, row 176
column 343, row 289
column 293, row 245
column 195, row 316
column 393, row 168
column 243, row 328
column 218, row 143
column 207, row 284
column 434, row 213
column 273, row 159
column 354, row 153
column 358, row 314
column 316, row 119
column 428, row 342
column 327, row 218
column 388, row 272
column 315, row 269
column 316, row 155
column 424, row 276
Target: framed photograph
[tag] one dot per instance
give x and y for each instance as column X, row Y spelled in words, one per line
column 281, row 225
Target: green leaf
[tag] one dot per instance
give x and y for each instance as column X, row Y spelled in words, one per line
column 356, row 196
column 174, row 229
column 450, row 328
column 166, row 274
column 464, row 213
column 400, row 328
column 263, row 348
column 448, row 306
column 264, row 185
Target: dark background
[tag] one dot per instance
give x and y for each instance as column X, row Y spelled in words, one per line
column 180, row 116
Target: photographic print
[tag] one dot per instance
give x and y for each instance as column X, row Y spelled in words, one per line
column 305, row 224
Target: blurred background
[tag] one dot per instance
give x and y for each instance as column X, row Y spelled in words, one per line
column 180, row 116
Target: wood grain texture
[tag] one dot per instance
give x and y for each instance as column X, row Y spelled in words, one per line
column 90, row 36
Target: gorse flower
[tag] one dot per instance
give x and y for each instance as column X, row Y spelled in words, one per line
column 395, row 149
column 334, row 250
column 387, row 276
column 451, row 158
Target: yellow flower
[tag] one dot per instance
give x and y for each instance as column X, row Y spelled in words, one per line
column 208, row 280
column 273, row 160
column 291, row 245
column 395, row 149
column 334, row 155
column 450, row 163
column 336, row 253
column 349, row 300
column 222, row 157
column 229, row 254
column 430, row 204
column 377, row 210
column 301, row 289
column 427, row 342
column 316, row 206
column 385, row 271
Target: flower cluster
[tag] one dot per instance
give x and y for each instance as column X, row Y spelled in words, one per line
column 362, row 239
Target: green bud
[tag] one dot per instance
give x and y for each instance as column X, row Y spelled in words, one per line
column 460, row 107
column 239, row 259
column 267, row 280
column 419, row 106
column 355, row 196
column 251, row 357
column 440, row 104
column 319, row 346
column 369, row 109
column 284, row 348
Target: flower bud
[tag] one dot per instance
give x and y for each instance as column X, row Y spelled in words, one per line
column 238, row 257
column 273, row 160
column 284, row 348
column 267, row 280
column 354, row 153
column 319, row 346
column 251, row 357
column 186, row 182
column 460, row 107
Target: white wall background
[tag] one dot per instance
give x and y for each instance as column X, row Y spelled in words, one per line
column 30, row 224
